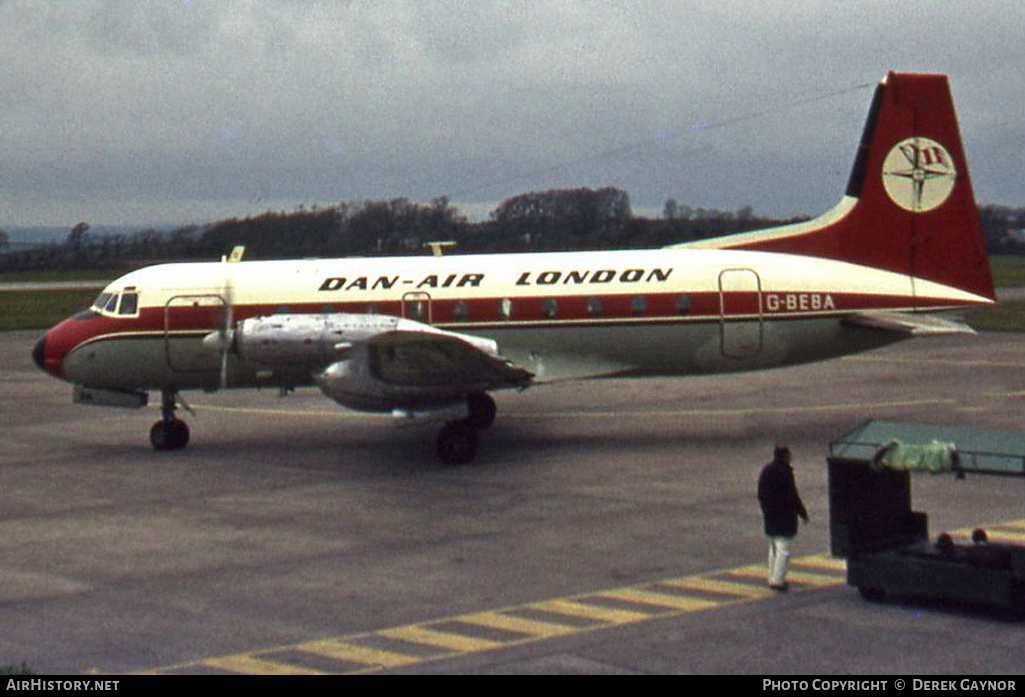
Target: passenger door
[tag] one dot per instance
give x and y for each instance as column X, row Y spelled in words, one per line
column 740, row 312
column 187, row 319
column 416, row 305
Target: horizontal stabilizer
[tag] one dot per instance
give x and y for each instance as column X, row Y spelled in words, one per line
column 904, row 323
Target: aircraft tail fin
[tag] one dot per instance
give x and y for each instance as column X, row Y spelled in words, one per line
column 909, row 206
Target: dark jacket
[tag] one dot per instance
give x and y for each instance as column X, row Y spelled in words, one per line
column 781, row 504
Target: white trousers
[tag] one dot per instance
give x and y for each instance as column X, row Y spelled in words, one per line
column 779, row 555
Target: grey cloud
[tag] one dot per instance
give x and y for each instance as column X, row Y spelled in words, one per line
column 168, row 103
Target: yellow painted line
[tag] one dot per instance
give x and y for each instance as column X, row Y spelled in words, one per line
column 751, row 411
column 574, row 608
column 675, row 413
column 761, row 572
column 1005, row 537
column 937, row 361
column 1008, row 526
column 700, row 583
column 814, row 579
column 534, row 628
column 635, row 595
column 821, row 561
column 344, row 651
column 350, row 648
column 750, row 571
column 251, row 665
column 262, row 411
column 439, row 639
column 1008, row 532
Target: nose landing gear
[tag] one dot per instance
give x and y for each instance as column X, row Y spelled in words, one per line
column 170, row 432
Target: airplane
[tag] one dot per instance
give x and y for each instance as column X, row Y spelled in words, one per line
column 899, row 256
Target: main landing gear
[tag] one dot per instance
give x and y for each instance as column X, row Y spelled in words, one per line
column 457, row 441
column 170, row 433
column 456, row 444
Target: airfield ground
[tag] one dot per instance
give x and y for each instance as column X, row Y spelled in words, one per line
column 605, row 527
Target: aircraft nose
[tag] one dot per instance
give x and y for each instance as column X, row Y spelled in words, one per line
column 39, row 353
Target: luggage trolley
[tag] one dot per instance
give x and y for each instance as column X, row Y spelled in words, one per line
column 887, row 544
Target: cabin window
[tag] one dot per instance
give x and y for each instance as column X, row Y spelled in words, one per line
column 594, row 307
column 129, row 304
column 549, row 308
column 415, row 310
column 683, row 304
column 639, row 305
column 505, row 308
column 373, row 309
column 112, row 303
column 460, row 310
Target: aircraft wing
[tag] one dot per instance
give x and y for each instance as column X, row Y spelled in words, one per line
column 432, row 359
column 906, row 323
column 379, row 362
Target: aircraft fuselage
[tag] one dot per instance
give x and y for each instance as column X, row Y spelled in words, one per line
column 559, row 315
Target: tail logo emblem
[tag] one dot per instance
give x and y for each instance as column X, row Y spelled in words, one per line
column 919, row 174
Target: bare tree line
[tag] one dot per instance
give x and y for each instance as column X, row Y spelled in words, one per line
column 557, row 219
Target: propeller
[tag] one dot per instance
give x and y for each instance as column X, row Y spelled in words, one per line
column 223, row 338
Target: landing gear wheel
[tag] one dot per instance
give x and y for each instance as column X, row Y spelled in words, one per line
column 457, row 443
column 482, row 410
column 169, row 435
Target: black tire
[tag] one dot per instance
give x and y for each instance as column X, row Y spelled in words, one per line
column 169, row 435
column 457, row 443
column 482, row 410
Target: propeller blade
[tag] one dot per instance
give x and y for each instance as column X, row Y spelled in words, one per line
column 226, row 333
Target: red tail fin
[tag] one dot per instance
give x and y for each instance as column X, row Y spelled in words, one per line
column 909, row 206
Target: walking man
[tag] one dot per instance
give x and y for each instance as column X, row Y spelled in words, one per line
column 781, row 505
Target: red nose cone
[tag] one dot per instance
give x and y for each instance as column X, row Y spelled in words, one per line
column 39, row 353
column 48, row 357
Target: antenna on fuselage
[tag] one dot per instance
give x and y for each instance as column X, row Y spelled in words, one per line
column 436, row 247
column 237, row 252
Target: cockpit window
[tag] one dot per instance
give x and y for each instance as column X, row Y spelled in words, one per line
column 129, row 303
column 124, row 304
column 101, row 302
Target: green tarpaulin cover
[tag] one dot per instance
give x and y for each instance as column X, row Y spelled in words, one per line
column 936, row 456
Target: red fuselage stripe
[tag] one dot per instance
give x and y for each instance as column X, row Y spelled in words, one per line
column 524, row 312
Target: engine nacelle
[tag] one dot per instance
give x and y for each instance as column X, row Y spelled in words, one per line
column 352, row 383
column 313, row 340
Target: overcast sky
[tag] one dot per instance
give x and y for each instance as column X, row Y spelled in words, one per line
column 179, row 111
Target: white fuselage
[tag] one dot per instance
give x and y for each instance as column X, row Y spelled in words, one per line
column 558, row 315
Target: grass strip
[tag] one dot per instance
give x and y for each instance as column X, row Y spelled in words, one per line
column 41, row 309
